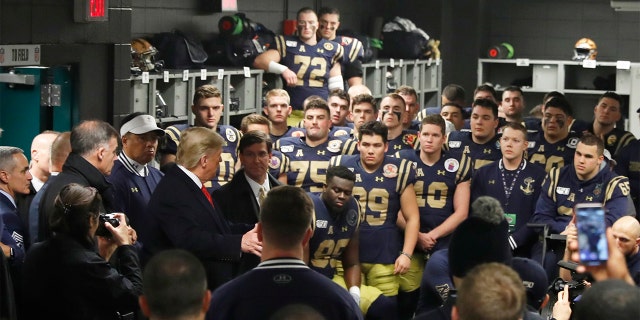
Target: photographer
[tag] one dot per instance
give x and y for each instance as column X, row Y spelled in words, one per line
column 65, row 278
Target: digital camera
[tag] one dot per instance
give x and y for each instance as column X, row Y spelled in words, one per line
column 106, row 217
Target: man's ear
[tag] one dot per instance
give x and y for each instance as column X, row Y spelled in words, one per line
column 206, row 301
column 144, row 306
column 454, row 313
column 4, row 176
column 259, row 232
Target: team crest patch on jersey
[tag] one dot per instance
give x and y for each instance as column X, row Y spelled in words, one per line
column 291, row 43
column 562, row 190
column 611, row 140
column 409, row 139
column 274, row 162
column 498, row 144
column 451, row 165
column 286, row 149
column 322, row 224
column 334, row 145
column 328, row 46
column 340, row 133
column 346, row 41
column 531, row 145
column 231, row 135
column 390, row 170
column 455, row 144
column 572, row 143
column 352, row 217
column 598, row 189
column 282, row 278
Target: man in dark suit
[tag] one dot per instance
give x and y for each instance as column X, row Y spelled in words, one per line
column 185, row 216
column 248, row 186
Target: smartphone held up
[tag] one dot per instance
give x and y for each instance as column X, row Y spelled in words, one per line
column 592, row 239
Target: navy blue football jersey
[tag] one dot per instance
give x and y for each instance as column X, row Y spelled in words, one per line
column 435, row 186
column 378, row 194
column 615, row 140
column 331, row 234
column 278, row 164
column 227, row 167
column 312, row 65
column 407, row 140
column 629, row 166
column 308, row 165
column 461, row 144
column 551, row 155
column 562, row 190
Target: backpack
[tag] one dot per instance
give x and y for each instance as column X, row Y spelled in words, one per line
column 403, row 40
column 244, row 39
column 179, row 51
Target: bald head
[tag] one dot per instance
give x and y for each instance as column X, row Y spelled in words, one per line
column 40, row 153
column 358, row 89
column 626, row 232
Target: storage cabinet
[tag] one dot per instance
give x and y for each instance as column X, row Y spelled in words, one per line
column 425, row 76
column 241, row 90
column 582, row 83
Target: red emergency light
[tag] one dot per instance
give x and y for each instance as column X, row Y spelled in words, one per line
column 91, row 10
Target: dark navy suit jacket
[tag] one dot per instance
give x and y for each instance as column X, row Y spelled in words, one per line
column 183, row 218
column 238, row 204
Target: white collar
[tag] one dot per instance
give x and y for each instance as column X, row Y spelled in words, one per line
column 255, row 187
column 191, row 175
column 133, row 166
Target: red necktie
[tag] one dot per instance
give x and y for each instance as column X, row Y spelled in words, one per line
column 207, row 194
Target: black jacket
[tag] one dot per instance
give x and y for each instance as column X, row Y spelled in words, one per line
column 66, row 279
column 75, row 170
column 238, row 204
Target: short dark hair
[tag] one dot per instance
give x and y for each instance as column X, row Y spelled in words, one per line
column 454, row 92
column 90, row 135
column 174, row 284
column 340, row 172
column 373, row 128
column 407, row 91
column 254, row 137
column 560, row 103
column 328, row 10
column 285, row 229
column 74, row 207
column 485, row 87
column 344, row 95
column 434, row 119
column 552, row 94
column 513, row 89
column 365, row 98
column 591, row 139
column 487, row 104
column 453, row 104
column 612, row 95
column 317, row 104
column 305, row 10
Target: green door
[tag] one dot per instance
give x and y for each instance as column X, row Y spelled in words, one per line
column 45, row 102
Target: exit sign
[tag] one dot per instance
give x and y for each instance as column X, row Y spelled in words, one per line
column 91, row 10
